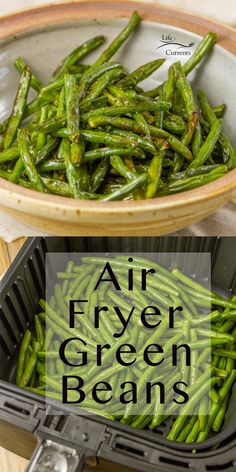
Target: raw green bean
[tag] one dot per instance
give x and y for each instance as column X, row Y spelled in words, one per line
column 179, row 423
column 22, row 356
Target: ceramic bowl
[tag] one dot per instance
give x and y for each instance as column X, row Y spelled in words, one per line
column 43, row 36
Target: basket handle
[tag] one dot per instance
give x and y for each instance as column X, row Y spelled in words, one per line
column 55, row 457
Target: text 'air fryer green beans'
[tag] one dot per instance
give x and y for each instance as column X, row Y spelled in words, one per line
column 89, row 116
column 208, row 323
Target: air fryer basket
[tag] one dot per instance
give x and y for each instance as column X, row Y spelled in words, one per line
column 79, row 436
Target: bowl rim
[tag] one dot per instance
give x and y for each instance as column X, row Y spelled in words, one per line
column 29, row 20
column 217, row 188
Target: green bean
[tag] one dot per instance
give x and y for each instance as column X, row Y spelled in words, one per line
column 27, row 160
column 130, row 109
column 51, row 125
column 53, row 87
column 197, row 140
column 72, row 172
column 170, row 84
column 223, row 392
column 202, row 414
column 158, row 408
column 78, row 54
column 118, row 164
column 41, row 138
column 215, row 334
column 189, row 183
column 28, row 370
column 208, row 147
column 194, row 172
column 40, row 367
column 46, row 150
column 99, row 174
column 37, row 104
column 101, row 83
column 125, row 189
column 35, row 83
column 210, row 116
column 219, row 419
column 48, row 337
column 58, row 323
column 154, row 174
column 119, row 41
column 206, row 342
column 153, row 93
column 72, row 106
column 90, row 156
column 39, row 331
column 10, row 154
column 214, row 396
column 143, row 143
column 141, row 73
column 211, row 298
column 219, row 110
column 192, row 436
column 225, row 353
column 185, row 90
column 22, row 355
column 174, row 124
column 18, row 110
column 206, row 109
column 187, row 138
column 179, row 423
column 130, row 125
column 108, row 139
column 187, row 429
column 184, row 279
column 77, row 152
column 203, row 48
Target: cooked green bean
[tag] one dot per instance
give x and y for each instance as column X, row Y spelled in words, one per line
column 35, row 82
column 204, row 47
column 10, row 154
column 27, row 160
column 78, row 54
column 72, row 107
column 119, row 41
column 18, row 110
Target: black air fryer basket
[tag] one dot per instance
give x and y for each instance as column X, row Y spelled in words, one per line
column 78, row 437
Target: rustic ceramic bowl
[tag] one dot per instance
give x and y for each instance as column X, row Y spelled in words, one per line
column 43, row 36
